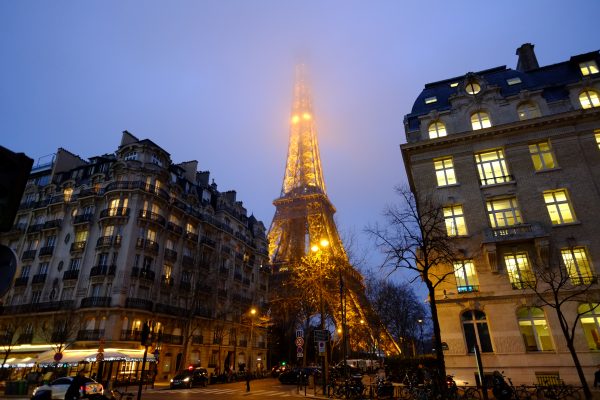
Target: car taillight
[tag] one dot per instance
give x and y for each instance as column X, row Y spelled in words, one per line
column 82, row 389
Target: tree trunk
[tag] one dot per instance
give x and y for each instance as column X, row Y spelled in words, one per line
column 586, row 389
column 439, row 352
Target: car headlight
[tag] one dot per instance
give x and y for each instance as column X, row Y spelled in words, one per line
column 171, row 380
column 186, row 379
column 34, row 391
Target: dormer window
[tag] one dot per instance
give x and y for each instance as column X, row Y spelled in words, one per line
column 589, row 99
column 527, row 111
column 480, row 120
column 156, row 160
column 437, row 129
column 430, row 100
column 132, row 155
column 588, row 68
column 473, row 88
column 454, row 84
column 513, row 81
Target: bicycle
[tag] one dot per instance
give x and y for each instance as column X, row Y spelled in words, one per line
column 559, row 392
column 122, row 395
column 456, row 392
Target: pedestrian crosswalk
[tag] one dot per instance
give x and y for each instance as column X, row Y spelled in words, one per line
column 261, row 393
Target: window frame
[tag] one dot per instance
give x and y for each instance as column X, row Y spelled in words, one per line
column 455, row 222
column 558, row 207
column 588, row 68
column 593, row 313
column 589, row 98
column 494, row 169
column 579, row 269
column 479, row 326
column 532, row 322
column 446, row 174
column 528, row 110
column 480, row 120
column 543, row 156
column 521, row 276
column 466, row 276
column 437, row 129
column 513, row 213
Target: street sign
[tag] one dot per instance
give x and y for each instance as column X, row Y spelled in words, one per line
column 299, row 355
column 58, row 357
column 299, row 349
column 299, row 333
column 299, row 341
column 99, row 357
column 322, row 348
column 321, row 335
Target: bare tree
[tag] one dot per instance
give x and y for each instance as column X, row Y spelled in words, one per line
column 8, row 339
column 415, row 239
column 557, row 286
column 60, row 330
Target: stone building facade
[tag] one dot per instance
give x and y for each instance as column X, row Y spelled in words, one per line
column 513, row 157
column 109, row 243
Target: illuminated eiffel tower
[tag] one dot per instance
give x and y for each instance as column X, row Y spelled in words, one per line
column 304, row 215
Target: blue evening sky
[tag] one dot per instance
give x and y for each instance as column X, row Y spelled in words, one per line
column 212, row 80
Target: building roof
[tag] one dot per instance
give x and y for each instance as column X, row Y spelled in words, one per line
column 551, row 79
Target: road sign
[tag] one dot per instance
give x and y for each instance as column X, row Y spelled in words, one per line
column 100, row 357
column 321, row 335
column 300, row 355
column 299, row 333
column 299, row 341
column 58, row 357
column 299, row 349
column 322, row 348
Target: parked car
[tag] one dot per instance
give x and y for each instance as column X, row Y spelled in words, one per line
column 190, row 378
column 294, row 375
column 57, row 389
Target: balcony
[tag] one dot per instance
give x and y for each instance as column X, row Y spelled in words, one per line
column 71, row 274
column 88, row 192
column 138, row 304
column 102, row 270
column 142, row 273
column 78, row 246
column 174, row 228
column 192, row 237
column 53, row 224
column 28, row 255
column 237, row 277
column 21, row 227
column 39, row 278
column 172, row 339
column 89, row 302
column 208, row 242
column 131, row 336
column 185, row 286
column 147, row 244
column 197, row 339
column 108, row 241
column 494, row 180
column 187, row 261
column 515, row 233
column 226, row 249
column 145, row 215
column 170, row 310
column 46, row 251
column 90, row 334
column 166, row 282
column 117, row 212
column 21, row 281
column 35, row 228
column 54, row 306
column 584, row 280
column 203, row 312
column 170, row 255
column 83, row 219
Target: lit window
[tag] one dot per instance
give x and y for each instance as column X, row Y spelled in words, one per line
column 68, row 194
column 454, row 84
column 476, row 331
column 492, row 168
column 534, row 329
column 590, row 322
column 437, row 129
column 430, row 100
column 132, row 155
column 503, row 212
column 444, row 171
column 578, row 265
column 473, row 88
column 513, row 81
column 455, row 220
column 589, row 99
column 519, row 272
column 528, row 111
column 466, row 277
column 588, row 68
column 558, row 207
column 541, row 155
column 480, row 120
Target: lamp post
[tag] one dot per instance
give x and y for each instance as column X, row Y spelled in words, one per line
column 317, row 250
column 252, row 314
column 420, row 321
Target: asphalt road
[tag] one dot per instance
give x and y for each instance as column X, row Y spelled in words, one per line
column 259, row 389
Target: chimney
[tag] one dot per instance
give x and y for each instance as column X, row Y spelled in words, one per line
column 527, row 60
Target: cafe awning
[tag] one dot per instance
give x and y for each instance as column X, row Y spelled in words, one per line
column 76, row 356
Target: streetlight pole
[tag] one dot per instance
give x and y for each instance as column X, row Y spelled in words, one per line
column 252, row 314
column 317, row 250
column 420, row 321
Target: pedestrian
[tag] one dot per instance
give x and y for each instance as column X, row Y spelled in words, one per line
column 248, row 380
column 73, row 390
column 597, row 377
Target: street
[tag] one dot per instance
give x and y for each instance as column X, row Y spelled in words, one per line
column 259, row 389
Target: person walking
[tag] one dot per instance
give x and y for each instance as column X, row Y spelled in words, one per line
column 247, row 380
column 73, row 390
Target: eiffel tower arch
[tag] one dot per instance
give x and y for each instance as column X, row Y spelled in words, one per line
column 304, row 217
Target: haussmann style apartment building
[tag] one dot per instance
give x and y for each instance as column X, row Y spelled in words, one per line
column 513, row 156
column 108, row 243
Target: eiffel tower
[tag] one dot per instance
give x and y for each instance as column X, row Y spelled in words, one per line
column 304, row 217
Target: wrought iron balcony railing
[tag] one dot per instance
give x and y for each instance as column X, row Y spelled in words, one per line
column 71, row 274
column 139, row 304
column 89, row 302
column 78, row 246
column 46, row 251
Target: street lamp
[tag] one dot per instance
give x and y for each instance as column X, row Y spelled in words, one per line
column 420, row 321
column 252, row 314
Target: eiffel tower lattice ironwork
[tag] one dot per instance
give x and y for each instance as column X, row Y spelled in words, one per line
column 304, row 213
